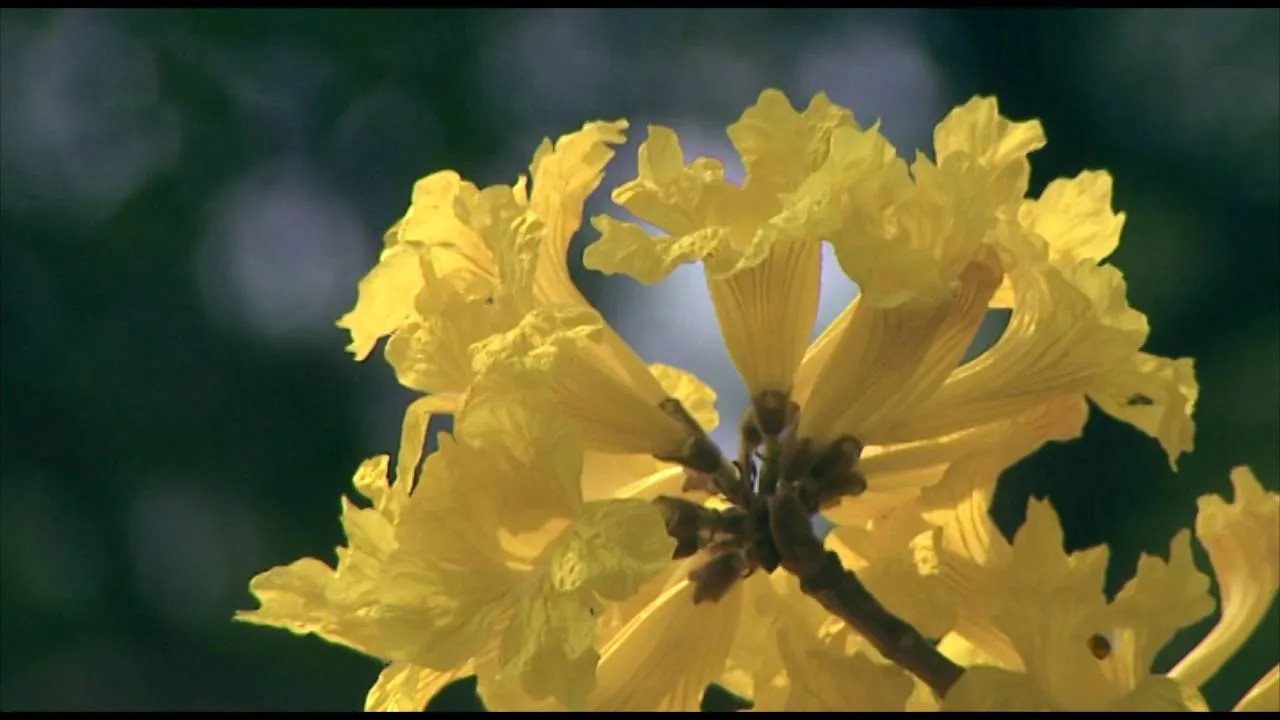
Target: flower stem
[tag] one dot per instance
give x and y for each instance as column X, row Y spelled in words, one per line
column 823, row 578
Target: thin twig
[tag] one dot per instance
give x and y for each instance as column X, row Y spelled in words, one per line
column 823, row 578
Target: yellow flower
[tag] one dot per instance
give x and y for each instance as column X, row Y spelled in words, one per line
column 474, row 290
column 494, row 565
column 1242, row 539
column 545, row 503
column 1071, row 331
column 760, row 288
column 764, row 640
column 931, row 246
column 1044, row 637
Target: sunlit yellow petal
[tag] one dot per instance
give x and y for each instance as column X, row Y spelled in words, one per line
column 1161, row 599
column 432, row 218
column 888, row 361
column 385, row 299
column 1074, row 326
column 413, row 433
column 779, row 146
column 309, row 597
column 564, row 174
column 405, row 687
column 604, row 475
column 522, row 357
column 293, row 598
column 697, row 397
column 1264, row 696
column 1243, row 541
column 1075, row 219
column 607, row 553
column 976, row 132
column 1156, row 395
column 848, row 201
column 923, row 471
column 627, row 248
column 767, row 312
column 665, row 658
column 686, row 201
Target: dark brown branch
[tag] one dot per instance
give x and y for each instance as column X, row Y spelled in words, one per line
column 823, row 578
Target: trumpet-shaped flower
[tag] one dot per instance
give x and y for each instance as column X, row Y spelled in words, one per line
column 580, row 542
column 932, row 246
column 494, row 565
column 1044, row 637
column 474, row 291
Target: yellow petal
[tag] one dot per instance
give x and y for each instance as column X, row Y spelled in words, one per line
column 665, row 657
column 474, row 538
column 429, row 350
column 624, row 248
column 604, row 475
column 388, row 293
column 446, row 591
column 1161, row 599
column 766, row 314
column 385, row 299
column 976, row 133
column 523, row 458
column 773, row 607
column 848, row 200
column 606, row 554
column 697, row 397
column 1074, row 326
column 994, row 448
column 900, row 242
column 611, row 549
column 706, row 217
column 908, row 584
column 781, row 147
column 828, row 682
column 1243, row 541
column 942, row 471
column 405, row 687
column 888, row 361
column 564, row 175
column 616, row 399
column 983, row 688
column 293, row 598
column 522, row 358
column 1046, row 604
column 968, row 654
column 1264, row 696
column 1075, row 219
column 413, row 433
column 688, row 202
column 1156, row 395
column 432, row 219
column 308, row 597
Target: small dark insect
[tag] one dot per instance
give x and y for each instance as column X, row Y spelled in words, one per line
column 1139, row 400
column 1099, row 646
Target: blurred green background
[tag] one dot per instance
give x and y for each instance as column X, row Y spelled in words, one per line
column 189, row 197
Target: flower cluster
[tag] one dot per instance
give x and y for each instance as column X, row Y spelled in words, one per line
column 579, row 542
